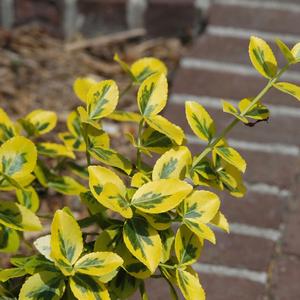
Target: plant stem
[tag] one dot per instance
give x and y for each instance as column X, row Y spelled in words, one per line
column 168, row 266
column 215, row 141
column 138, row 150
column 87, row 145
column 143, row 293
column 126, row 90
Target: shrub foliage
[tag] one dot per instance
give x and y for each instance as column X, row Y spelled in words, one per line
column 148, row 221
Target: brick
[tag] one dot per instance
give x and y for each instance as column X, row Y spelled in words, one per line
column 234, row 50
column 46, row 12
column 226, row 85
column 253, row 18
column 101, row 16
column 291, row 240
column 239, row 251
column 228, row 288
column 278, row 129
column 255, row 209
column 171, row 18
column 285, row 279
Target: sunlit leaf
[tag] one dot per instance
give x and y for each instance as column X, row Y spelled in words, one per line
column 43, row 285
column 289, row 88
column 199, row 209
column 152, row 95
column 158, row 221
column 40, row 121
column 72, row 142
column 102, row 99
column 98, row 263
column 296, row 51
column 111, row 158
column 167, row 128
column 189, row 285
column 9, row 240
column 81, row 87
column 232, row 157
column 147, row 66
column 29, row 198
column 66, row 241
column 109, row 190
column 139, row 179
column 17, row 157
column 288, row 55
column 187, row 246
column 7, row 274
column 7, row 129
column 125, row 116
column 257, row 111
column 155, row 141
column 230, row 109
column 161, row 195
column 172, row 164
column 221, row 222
column 143, row 242
column 18, row 217
column 124, row 66
column 167, row 240
column 262, row 57
column 123, row 285
column 43, row 245
column 199, row 120
column 89, row 288
column 54, row 150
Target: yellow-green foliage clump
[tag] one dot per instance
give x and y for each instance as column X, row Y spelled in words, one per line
column 132, row 205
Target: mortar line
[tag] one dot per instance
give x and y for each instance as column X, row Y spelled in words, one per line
column 274, row 5
column 217, row 66
column 259, row 277
column 246, row 33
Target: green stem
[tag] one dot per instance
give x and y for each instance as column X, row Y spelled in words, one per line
column 215, row 141
column 143, row 293
column 87, row 145
column 126, row 90
column 11, row 181
column 168, row 266
column 138, row 150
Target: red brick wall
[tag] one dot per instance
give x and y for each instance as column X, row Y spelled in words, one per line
column 66, row 17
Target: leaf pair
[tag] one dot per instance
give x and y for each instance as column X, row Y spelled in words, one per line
column 101, row 98
column 196, row 211
column 265, row 63
column 65, row 249
column 153, row 197
column 152, row 98
column 247, row 109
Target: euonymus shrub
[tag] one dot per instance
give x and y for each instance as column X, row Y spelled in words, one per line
column 153, row 221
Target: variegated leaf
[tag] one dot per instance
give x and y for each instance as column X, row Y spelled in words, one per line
column 262, row 57
column 143, row 242
column 152, row 95
column 161, row 195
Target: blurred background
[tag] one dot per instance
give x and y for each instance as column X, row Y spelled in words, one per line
column 46, row 44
